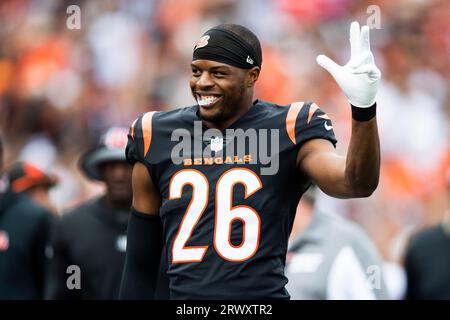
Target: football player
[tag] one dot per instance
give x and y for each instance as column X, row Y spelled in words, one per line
column 218, row 182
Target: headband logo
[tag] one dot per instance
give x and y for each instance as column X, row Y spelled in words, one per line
column 202, row 42
column 249, row 60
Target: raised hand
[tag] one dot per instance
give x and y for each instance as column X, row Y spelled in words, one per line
column 359, row 78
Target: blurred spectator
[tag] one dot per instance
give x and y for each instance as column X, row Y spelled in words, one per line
column 330, row 258
column 24, row 235
column 24, row 177
column 3, row 178
column 93, row 234
column 427, row 260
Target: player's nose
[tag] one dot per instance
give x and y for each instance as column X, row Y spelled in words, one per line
column 204, row 81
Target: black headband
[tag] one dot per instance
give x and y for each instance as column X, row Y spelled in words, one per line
column 225, row 46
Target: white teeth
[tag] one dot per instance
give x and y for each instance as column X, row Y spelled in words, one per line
column 206, row 100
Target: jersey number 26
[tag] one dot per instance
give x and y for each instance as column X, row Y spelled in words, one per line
column 225, row 214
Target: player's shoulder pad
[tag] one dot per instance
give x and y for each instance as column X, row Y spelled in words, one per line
column 140, row 137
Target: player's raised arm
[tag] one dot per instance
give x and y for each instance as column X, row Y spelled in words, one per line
column 355, row 175
column 144, row 239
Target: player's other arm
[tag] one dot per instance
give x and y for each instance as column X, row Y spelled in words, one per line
column 146, row 198
column 355, row 175
column 144, row 239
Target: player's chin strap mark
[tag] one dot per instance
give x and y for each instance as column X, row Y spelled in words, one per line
column 225, row 46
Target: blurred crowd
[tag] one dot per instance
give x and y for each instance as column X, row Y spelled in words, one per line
column 60, row 88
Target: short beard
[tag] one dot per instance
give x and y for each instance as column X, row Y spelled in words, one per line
column 220, row 116
column 214, row 118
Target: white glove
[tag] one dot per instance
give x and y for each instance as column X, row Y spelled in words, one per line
column 359, row 78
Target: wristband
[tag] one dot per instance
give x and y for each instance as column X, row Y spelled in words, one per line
column 364, row 114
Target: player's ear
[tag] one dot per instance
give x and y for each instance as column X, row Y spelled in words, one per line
column 252, row 76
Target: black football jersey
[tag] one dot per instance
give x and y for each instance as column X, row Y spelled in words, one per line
column 228, row 197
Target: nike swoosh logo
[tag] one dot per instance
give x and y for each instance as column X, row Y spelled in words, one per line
column 327, row 127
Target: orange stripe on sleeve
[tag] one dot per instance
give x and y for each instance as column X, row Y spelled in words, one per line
column 147, row 130
column 291, row 119
column 314, row 107
column 132, row 128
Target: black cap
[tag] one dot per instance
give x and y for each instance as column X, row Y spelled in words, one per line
column 24, row 176
column 111, row 148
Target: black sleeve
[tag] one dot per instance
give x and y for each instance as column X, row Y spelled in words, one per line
column 134, row 150
column 56, row 280
column 162, row 287
column 142, row 262
column 40, row 247
column 313, row 123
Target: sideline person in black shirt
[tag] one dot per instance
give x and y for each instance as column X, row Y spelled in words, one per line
column 427, row 259
column 92, row 236
column 24, row 234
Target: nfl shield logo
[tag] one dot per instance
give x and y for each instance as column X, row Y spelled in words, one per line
column 216, row 144
column 121, row 243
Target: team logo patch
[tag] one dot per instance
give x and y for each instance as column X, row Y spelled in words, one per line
column 216, row 144
column 121, row 243
column 202, row 42
column 4, row 241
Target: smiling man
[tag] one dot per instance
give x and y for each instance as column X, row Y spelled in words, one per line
column 225, row 224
